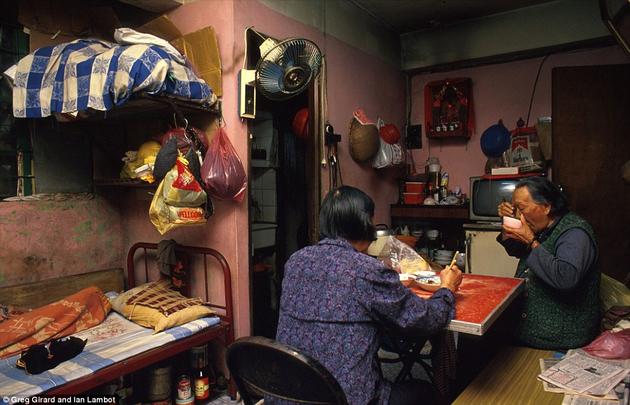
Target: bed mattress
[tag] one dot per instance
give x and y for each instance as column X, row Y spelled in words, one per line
column 112, row 341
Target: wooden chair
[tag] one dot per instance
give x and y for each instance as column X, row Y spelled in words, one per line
column 263, row 367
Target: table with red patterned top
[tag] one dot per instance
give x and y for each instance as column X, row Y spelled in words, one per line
column 479, row 301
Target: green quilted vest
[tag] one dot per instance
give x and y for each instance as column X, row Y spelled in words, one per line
column 554, row 319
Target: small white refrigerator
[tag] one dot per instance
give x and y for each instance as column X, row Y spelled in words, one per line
column 484, row 255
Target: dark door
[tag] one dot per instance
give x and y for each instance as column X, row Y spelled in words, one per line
column 591, row 141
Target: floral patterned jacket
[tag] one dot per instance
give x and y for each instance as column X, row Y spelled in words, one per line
column 335, row 299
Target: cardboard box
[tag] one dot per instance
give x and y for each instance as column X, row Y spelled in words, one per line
column 200, row 47
column 52, row 23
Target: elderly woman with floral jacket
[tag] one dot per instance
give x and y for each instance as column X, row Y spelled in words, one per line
column 335, row 298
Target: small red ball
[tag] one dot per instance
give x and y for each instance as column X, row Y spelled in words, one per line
column 300, row 123
column 389, row 133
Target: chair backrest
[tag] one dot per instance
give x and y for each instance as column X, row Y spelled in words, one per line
column 264, row 367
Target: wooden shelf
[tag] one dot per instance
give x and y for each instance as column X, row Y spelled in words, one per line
column 459, row 212
column 129, row 183
column 142, row 103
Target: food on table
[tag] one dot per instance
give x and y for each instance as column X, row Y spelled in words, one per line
column 413, row 265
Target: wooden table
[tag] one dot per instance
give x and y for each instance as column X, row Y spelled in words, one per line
column 479, row 301
column 510, row 379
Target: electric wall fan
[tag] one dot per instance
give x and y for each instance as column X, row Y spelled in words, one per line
column 286, row 68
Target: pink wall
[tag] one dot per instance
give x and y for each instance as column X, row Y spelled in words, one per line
column 500, row 91
column 48, row 239
column 355, row 80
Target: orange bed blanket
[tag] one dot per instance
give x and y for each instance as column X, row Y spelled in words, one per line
column 69, row 315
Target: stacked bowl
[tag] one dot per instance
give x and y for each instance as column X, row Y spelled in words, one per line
column 443, row 257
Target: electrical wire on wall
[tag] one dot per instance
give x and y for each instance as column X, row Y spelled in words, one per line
column 328, row 139
column 408, row 152
column 531, row 100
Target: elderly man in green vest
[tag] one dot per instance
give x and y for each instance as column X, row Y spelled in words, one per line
column 558, row 260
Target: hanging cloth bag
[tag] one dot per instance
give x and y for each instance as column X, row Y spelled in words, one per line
column 222, row 170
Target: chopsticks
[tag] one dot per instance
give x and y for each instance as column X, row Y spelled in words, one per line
column 453, row 261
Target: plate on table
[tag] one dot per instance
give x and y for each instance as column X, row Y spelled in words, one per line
column 429, row 283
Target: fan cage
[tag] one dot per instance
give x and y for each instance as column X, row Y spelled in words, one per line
column 287, row 69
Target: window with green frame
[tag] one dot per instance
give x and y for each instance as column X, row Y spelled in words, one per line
column 16, row 162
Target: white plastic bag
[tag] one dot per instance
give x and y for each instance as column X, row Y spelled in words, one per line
column 401, row 257
column 388, row 154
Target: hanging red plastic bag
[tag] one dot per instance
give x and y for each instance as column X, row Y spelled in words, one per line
column 222, row 170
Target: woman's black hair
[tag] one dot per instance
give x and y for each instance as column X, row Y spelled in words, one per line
column 347, row 213
column 544, row 191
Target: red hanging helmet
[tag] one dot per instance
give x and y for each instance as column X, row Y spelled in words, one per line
column 300, row 123
column 389, row 133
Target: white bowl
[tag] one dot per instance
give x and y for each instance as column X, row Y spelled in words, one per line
column 511, row 222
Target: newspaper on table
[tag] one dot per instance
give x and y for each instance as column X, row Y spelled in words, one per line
column 622, row 396
column 593, row 393
column 614, row 390
column 581, row 373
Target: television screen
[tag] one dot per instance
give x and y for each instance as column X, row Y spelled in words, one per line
column 486, row 195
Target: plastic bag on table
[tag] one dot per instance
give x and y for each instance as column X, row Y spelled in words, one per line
column 401, row 257
column 222, row 170
column 611, row 345
column 613, row 293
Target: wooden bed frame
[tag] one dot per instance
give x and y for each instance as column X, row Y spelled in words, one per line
column 111, row 280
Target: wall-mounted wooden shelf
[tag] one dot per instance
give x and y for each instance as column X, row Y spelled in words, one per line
column 143, row 103
column 459, row 212
column 129, row 183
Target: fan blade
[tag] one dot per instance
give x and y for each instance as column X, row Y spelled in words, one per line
column 293, row 51
column 270, row 76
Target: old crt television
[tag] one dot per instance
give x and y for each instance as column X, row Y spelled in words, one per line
column 486, row 193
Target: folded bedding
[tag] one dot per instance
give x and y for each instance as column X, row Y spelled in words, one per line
column 97, row 74
column 74, row 313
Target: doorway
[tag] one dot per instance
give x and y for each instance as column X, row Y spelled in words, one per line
column 283, row 194
column 590, row 145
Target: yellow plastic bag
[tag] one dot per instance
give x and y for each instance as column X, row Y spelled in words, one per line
column 178, row 201
column 181, row 189
column 613, row 293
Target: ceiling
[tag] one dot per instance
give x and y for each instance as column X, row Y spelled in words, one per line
column 404, row 16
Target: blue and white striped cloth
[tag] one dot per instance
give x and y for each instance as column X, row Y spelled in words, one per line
column 101, row 351
column 91, row 73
